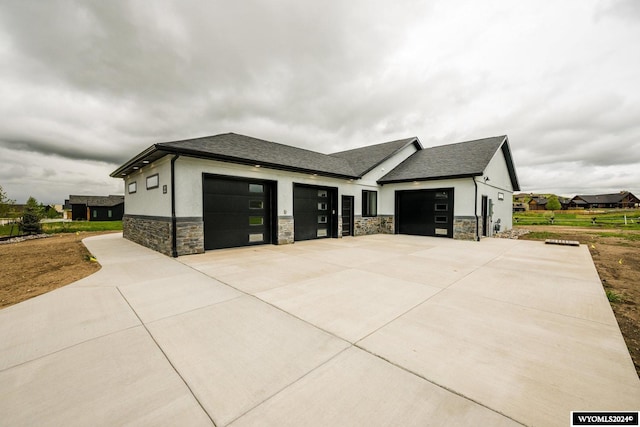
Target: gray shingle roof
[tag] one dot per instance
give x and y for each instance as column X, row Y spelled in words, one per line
column 106, row 201
column 463, row 159
column 364, row 159
column 249, row 150
column 603, row 198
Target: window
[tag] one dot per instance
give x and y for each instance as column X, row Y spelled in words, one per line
column 132, row 187
column 322, row 219
column 322, row 193
column 256, row 204
column 153, row 181
column 322, row 206
column 440, row 219
column 256, row 188
column 95, row 213
column 441, row 207
column 256, row 237
column 369, row 203
column 256, row 220
column 110, row 213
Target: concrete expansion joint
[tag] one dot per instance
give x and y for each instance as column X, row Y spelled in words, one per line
column 291, row 383
column 439, row 385
column 166, row 356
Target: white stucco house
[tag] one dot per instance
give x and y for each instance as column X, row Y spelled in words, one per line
column 229, row 190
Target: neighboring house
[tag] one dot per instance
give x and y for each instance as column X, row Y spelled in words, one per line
column 230, row 190
column 565, row 202
column 538, row 203
column 621, row 200
column 520, row 207
column 95, row 208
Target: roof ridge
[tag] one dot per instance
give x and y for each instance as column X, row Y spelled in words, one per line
column 466, row 142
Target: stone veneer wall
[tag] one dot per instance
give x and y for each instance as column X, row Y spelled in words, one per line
column 464, row 227
column 155, row 233
column 383, row 224
column 285, row 230
column 151, row 231
column 189, row 236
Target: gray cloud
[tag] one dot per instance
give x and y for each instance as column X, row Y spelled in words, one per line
column 90, row 84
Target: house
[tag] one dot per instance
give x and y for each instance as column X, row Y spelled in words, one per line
column 538, row 203
column 228, row 190
column 520, row 207
column 565, row 202
column 621, row 200
column 95, row 208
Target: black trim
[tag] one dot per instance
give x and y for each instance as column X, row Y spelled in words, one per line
column 436, row 178
column 174, row 231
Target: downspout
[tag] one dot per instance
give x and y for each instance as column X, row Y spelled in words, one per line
column 174, row 232
column 475, row 209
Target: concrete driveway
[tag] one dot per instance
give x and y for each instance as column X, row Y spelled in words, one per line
column 374, row 330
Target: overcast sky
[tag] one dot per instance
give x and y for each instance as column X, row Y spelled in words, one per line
column 86, row 85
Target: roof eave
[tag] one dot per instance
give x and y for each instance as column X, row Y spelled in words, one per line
column 431, row 178
column 138, row 159
column 228, row 159
column 506, row 151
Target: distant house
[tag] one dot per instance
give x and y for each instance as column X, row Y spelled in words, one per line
column 565, row 202
column 95, row 208
column 538, row 203
column 621, row 200
column 520, row 207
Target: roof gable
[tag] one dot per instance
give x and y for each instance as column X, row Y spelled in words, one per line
column 365, row 159
column 463, row 159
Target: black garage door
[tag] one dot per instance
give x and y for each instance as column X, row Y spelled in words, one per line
column 314, row 212
column 236, row 212
column 425, row 212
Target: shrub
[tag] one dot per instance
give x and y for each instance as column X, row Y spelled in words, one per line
column 31, row 217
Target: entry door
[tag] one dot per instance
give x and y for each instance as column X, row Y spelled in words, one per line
column 485, row 216
column 347, row 215
column 236, row 212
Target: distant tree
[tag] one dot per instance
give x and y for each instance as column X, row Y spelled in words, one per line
column 5, row 203
column 553, row 204
column 31, row 217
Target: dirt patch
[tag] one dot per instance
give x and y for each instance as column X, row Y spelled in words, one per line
column 616, row 255
column 34, row 267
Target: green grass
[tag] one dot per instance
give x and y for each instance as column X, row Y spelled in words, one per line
column 75, row 226
column 67, row 227
column 613, row 296
column 603, row 219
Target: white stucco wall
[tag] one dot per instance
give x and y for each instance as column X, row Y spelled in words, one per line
column 189, row 183
column 149, row 202
column 499, row 182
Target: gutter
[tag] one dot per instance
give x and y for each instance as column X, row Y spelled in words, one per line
column 475, row 209
column 174, row 232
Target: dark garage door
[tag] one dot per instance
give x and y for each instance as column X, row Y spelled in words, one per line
column 236, row 212
column 425, row 212
column 314, row 212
